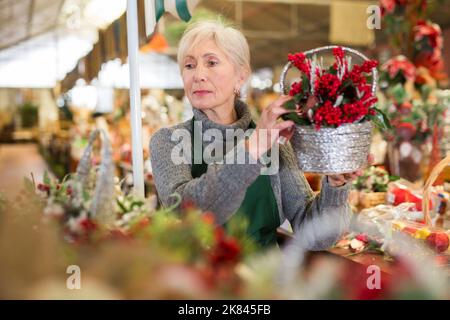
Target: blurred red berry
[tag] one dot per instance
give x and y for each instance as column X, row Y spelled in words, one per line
column 43, row 187
column 438, row 241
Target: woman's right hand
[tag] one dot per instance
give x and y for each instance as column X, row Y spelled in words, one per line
column 269, row 129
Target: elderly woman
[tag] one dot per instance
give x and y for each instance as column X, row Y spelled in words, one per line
column 215, row 63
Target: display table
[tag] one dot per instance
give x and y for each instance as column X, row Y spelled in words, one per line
column 363, row 259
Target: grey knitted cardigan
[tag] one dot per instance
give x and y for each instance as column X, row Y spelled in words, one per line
column 317, row 221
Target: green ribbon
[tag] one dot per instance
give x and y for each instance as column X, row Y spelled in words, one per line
column 159, row 8
column 183, row 11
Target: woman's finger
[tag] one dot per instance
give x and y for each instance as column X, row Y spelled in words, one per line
column 278, row 111
column 286, row 135
column 284, row 125
column 338, row 178
column 311, row 102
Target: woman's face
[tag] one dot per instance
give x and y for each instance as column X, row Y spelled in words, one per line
column 209, row 77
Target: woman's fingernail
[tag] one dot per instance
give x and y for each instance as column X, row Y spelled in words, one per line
column 282, row 140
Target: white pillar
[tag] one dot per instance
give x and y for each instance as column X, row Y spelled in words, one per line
column 135, row 98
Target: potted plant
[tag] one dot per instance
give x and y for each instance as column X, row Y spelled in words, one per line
column 29, row 115
column 372, row 186
column 333, row 109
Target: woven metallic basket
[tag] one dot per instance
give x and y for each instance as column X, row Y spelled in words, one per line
column 332, row 150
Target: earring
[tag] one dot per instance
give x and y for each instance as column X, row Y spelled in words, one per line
column 237, row 92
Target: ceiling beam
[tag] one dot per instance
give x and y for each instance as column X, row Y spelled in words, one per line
column 30, row 17
column 9, row 45
column 300, row 2
column 239, row 17
column 28, row 33
column 310, row 2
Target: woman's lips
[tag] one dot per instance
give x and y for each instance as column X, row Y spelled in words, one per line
column 201, row 92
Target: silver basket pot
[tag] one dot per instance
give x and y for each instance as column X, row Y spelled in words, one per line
column 332, row 150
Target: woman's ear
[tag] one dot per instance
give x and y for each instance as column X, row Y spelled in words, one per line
column 242, row 76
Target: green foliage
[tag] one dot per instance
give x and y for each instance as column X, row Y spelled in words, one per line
column 380, row 120
column 29, row 115
column 237, row 228
column 56, row 167
column 128, row 203
column 174, row 30
column 186, row 239
column 305, row 84
column 46, row 178
column 434, row 113
column 296, row 118
column 28, row 185
column 398, row 93
column 291, row 105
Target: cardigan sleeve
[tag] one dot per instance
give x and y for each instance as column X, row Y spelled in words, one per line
column 317, row 221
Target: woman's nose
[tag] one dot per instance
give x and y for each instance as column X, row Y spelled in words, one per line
column 200, row 74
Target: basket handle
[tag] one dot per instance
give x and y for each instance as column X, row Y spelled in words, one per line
column 427, row 187
column 102, row 202
column 288, row 65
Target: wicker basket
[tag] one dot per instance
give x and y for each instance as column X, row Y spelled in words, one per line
column 428, row 184
column 421, row 231
column 332, row 150
column 371, row 199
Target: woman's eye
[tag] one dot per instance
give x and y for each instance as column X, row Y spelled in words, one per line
column 189, row 65
column 212, row 63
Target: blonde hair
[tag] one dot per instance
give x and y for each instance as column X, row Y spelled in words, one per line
column 230, row 40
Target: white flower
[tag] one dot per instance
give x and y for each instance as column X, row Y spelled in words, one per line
column 54, row 210
column 349, row 62
column 42, row 194
column 338, row 100
column 77, row 202
column 392, row 108
column 357, row 245
column 310, row 114
column 369, row 183
column 74, row 223
column 359, row 94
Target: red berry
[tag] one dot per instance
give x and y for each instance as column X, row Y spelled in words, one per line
column 187, row 205
column 144, row 222
column 43, row 187
column 208, row 217
column 362, row 237
column 88, row 224
column 438, row 241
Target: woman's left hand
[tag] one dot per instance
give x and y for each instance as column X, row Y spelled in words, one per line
column 337, row 180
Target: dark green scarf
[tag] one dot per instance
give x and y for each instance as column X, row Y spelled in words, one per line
column 259, row 206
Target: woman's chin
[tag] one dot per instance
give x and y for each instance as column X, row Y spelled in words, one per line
column 202, row 104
